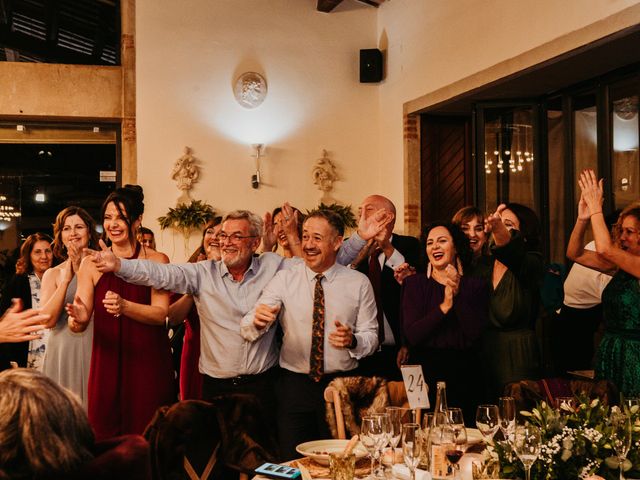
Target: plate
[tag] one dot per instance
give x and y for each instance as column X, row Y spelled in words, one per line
column 474, row 436
column 319, row 450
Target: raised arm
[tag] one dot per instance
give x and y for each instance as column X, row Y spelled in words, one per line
column 605, row 247
column 81, row 310
column 55, row 282
column 575, row 247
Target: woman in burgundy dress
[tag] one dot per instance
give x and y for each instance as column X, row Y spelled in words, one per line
column 443, row 314
column 183, row 309
column 131, row 371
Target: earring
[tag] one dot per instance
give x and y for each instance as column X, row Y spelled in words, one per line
column 459, row 266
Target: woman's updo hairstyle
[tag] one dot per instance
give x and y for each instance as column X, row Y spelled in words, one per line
column 129, row 201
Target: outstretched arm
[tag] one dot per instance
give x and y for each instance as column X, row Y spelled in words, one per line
column 20, row 326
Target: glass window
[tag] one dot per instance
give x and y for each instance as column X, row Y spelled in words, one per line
column 509, row 157
column 585, row 138
column 556, row 176
column 625, row 162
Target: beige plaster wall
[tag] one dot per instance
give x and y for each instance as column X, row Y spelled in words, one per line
column 438, row 48
column 60, row 91
column 189, row 54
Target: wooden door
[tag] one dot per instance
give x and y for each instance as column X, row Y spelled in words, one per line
column 446, row 166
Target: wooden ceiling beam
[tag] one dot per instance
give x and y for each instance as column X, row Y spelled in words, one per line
column 327, row 5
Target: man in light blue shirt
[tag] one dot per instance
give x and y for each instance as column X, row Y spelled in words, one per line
column 348, row 327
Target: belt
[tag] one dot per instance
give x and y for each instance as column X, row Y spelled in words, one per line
column 242, row 379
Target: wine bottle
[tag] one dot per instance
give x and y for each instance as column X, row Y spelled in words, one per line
column 438, row 465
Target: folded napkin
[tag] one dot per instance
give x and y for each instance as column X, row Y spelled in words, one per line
column 401, row 472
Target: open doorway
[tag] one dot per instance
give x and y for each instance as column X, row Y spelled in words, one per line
column 46, row 170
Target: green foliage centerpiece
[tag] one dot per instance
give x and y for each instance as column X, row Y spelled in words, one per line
column 575, row 444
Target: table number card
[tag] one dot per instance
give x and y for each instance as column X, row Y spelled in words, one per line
column 417, row 389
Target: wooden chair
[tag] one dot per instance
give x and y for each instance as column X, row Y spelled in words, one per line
column 201, row 440
column 364, row 395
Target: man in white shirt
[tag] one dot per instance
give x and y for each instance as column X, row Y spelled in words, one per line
column 328, row 317
column 224, row 291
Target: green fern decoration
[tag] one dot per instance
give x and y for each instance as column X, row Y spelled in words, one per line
column 187, row 218
column 345, row 212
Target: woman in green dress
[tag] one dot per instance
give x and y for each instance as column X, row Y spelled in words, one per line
column 513, row 266
column 618, row 355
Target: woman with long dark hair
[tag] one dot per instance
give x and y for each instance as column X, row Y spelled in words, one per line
column 443, row 314
column 131, row 367
column 68, row 355
column 510, row 345
column 36, row 258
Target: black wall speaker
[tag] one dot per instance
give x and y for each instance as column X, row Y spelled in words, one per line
column 370, row 65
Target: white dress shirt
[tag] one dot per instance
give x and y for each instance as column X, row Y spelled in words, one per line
column 222, row 302
column 394, row 261
column 348, row 297
column 583, row 286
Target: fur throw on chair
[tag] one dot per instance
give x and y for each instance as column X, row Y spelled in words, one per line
column 359, row 396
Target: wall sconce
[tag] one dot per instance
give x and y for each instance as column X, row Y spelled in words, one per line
column 258, row 151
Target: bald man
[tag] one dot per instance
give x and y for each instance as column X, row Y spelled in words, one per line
column 387, row 251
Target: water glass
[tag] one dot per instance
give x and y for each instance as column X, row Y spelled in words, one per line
column 527, row 443
column 411, row 446
column 396, row 414
column 487, row 421
column 620, row 437
column 507, row 416
column 371, row 432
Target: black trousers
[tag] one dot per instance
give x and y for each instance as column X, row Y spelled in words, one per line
column 301, row 410
column 573, row 338
column 262, row 385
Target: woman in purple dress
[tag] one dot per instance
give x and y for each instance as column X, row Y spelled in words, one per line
column 443, row 314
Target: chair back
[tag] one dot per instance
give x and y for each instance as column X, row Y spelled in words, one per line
column 348, row 399
column 200, row 440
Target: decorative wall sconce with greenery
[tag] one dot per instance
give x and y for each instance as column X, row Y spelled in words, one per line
column 187, row 218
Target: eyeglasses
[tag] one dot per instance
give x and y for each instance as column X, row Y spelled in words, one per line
column 233, row 238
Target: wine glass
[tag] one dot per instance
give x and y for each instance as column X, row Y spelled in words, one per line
column 620, row 437
column 371, row 432
column 396, row 414
column 384, row 439
column 507, row 416
column 456, row 420
column 411, row 446
column 526, row 443
column 454, row 442
column 487, row 421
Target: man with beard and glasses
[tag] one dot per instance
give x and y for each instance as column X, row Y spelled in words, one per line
column 225, row 291
column 328, row 317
